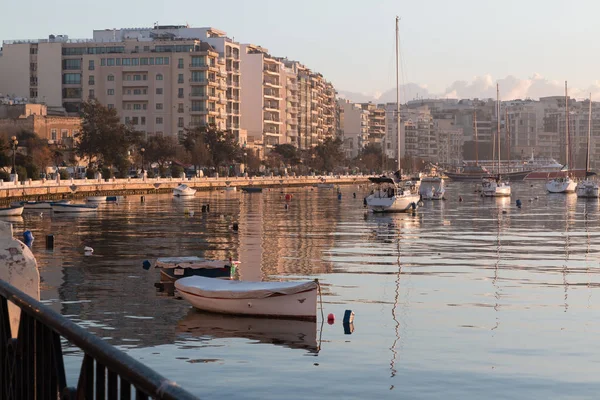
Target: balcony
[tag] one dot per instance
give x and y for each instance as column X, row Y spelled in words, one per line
column 270, row 132
column 202, row 67
column 292, row 86
column 221, row 61
column 199, row 96
column 272, row 84
column 271, row 108
column 200, row 111
column 234, row 84
column 292, row 121
column 271, row 120
column 198, row 81
column 233, row 97
column 222, row 100
column 135, row 84
column 271, row 70
column 292, row 132
column 233, row 126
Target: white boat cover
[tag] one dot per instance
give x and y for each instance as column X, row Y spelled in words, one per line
column 191, row 262
column 226, row 289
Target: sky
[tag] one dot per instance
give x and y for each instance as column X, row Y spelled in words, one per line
column 458, row 48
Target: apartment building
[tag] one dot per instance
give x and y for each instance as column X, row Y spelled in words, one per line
column 354, row 127
column 262, row 98
column 292, row 101
column 420, row 135
column 391, row 131
column 161, row 79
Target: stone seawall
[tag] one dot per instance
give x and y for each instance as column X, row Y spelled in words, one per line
column 45, row 189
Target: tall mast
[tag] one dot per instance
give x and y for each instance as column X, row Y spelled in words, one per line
column 476, row 142
column 507, row 129
column 567, row 129
column 398, row 97
column 498, row 130
column 587, row 157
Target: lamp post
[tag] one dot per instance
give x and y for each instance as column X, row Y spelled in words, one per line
column 142, row 150
column 245, row 162
column 15, row 142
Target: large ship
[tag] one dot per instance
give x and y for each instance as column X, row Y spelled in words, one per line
column 475, row 173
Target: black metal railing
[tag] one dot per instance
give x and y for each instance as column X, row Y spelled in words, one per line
column 32, row 366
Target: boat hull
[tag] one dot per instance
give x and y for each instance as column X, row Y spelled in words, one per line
column 11, row 211
column 96, row 199
column 561, row 186
column 183, row 191
column 587, row 190
column 393, row 204
column 495, row 189
column 301, row 305
column 539, row 175
column 252, row 189
column 73, row 208
column 477, row 177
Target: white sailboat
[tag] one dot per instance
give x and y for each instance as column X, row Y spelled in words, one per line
column 392, row 194
column 495, row 187
column 587, row 188
column 564, row 184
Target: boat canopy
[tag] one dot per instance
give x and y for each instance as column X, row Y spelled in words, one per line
column 226, row 289
column 381, row 179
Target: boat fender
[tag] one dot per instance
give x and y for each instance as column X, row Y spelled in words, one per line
column 28, row 238
column 365, row 201
column 330, row 319
column 285, row 206
column 146, row 265
column 420, row 203
column 413, row 205
column 348, row 317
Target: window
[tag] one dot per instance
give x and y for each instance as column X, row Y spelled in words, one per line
column 128, row 106
column 72, row 64
column 127, row 77
column 180, row 63
column 33, row 93
column 127, row 120
column 143, row 120
column 91, row 80
column 64, row 133
column 159, row 61
column 53, row 133
column 72, row 93
column 102, row 62
column 144, row 77
column 110, row 62
column 159, row 120
column 137, row 107
column 72, row 79
column 110, row 92
column 166, row 60
column 91, row 65
column 146, row 48
column 159, row 106
column 134, row 120
column 151, row 61
column 91, row 94
column 117, row 61
column 197, row 106
column 180, row 93
column 126, row 61
column 144, row 61
column 159, row 91
column 197, row 61
column 180, row 136
column 180, row 78
column 198, row 76
column 159, row 77
column 180, row 122
column 137, row 92
column 110, row 78
column 128, row 91
column 110, row 106
column 144, row 106
column 135, row 61
column 180, row 108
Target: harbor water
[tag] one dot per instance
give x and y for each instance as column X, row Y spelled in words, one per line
column 463, row 299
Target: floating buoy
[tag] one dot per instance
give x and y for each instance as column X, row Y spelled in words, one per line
column 288, row 197
column 285, row 206
column 460, row 198
column 354, row 195
column 330, row 319
column 348, row 317
column 339, row 196
column 27, row 238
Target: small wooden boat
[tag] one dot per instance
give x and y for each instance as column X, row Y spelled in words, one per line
column 74, row 208
column 183, row 190
column 37, row 205
column 293, row 334
column 11, row 211
column 252, row 189
column 264, row 299
column 173, row 268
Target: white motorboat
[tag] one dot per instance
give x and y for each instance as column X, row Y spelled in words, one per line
column 74, row 208
column 432, row 188
column 561, row 185
column 391, row 195
column 37, row 205
column 495, row 188
column 184, row 190
column 96, row 199
column 587, row 188
column 230, row 189
column 11, row 211
column 265, row 299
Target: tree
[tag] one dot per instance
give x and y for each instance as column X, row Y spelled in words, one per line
column 103, row 137
column 288, row 152
column 160, row 150
column 330, row 154
column 211, row 147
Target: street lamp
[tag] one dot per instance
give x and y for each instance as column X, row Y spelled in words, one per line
column 15, row 142
column 142, row 150
column 245, row 162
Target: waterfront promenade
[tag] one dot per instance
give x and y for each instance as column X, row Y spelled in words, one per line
column 50, row 189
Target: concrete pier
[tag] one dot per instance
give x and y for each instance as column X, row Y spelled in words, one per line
column 54, row 189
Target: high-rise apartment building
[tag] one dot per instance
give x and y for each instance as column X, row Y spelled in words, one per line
column 355, row 127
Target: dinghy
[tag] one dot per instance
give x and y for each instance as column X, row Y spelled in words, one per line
column 183, row 190
column 264, row 299
column 11, row 211
column 173, row 268
column 252, row 189
column 73, row 208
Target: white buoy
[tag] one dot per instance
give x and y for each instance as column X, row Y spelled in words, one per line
column 88, row 250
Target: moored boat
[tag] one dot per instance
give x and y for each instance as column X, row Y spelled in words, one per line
column 391, row 195
column 74, row 208
column 265, row 299
column 173, row 268
column 252, row 189
column 183, row 190
column 230, row 189
column 432, row 188
column 96, row 199
column 588, row 189
column 37, row 205
column 11, row 211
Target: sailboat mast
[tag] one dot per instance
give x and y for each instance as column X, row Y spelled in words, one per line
column 398, row 97
column 476, row 140
column 567, row 129
column 498, row 130
column 587, row 156
column 507, row 129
